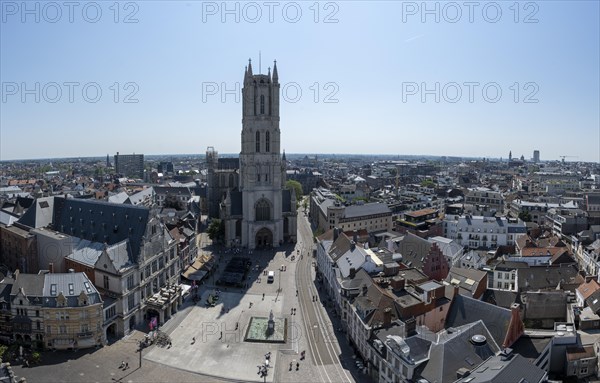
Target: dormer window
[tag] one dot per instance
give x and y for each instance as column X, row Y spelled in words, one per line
column 52, row 290
column 71, row 289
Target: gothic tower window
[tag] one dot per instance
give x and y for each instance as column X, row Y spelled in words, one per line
column 262, row 104
column 268, row 142
column 263, row 210
column 257, row 142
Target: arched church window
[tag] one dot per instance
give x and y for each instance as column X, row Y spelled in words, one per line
column 257, row 142
column 263, row 210
column 262, row 104
column 268, row 142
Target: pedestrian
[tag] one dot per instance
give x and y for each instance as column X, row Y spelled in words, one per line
column 297, row 366
column 236, row 325
column 296, row 292
column 122, row 364
column 221, row 335
column 126, row 365
column 290, row 366
column 263, row 296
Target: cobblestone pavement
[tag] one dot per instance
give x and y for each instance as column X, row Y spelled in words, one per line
column 214, row 357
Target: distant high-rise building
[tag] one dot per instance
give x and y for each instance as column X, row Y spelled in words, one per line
column 165, row 167
column 510, row 156
column 536, row 156
column 107, row 161
column 130, row 165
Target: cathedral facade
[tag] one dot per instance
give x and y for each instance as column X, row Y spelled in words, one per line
column 253, row 202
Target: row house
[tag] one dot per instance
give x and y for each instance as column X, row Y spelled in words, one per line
column 126, row 251
column 484, row 196
column 48, row 310
column 483, row 232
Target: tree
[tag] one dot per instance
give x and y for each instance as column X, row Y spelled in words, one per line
column 216, row 230
column 291, row 184
column 525, row 216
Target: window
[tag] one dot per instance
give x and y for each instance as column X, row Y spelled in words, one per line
column 106, row 283
column 62, row 329
column 130, row 302
column 263, row 210
column 267, row 141
column 48, row 330
column 262, row 104
column 52, row 290
column 258, row 143
column 37, row 313
column 130, row 282
column 71, row 289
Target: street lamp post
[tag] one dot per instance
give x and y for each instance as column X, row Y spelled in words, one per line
column 141, row 348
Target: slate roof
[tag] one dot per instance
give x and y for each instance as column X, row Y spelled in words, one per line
column 40, row 214
column 356, row 211
column 499, row 370
column 71, row 285
column 454, row 350
column 87, row 253
column 542, row 277
column 32, row 285
column 413, row 248
column 104, row 222
column 118, row 198
column 501, row 298
column 465, row 310
column 467, row 279
column 545, row 304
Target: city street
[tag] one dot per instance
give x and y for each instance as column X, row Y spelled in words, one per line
column 219, row 352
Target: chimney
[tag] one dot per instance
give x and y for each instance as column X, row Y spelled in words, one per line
column 355, row 236
column 398, row 283
column 352, row 272
column 411, row 326
column 16, row 274
column 336, row 233
column 456, row 291
column 51, row 267
column 387, row 317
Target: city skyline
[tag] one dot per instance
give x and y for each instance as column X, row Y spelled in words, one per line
column 357, row 78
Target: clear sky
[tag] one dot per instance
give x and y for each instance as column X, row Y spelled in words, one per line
column 369, row 75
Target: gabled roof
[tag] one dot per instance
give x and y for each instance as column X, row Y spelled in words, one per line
column 587, row 289
column 499, row 369
column 70, row 285
column 413, row 249
column 103, row 222
column 465, row 310
column 32, row 285
column 550, row 277
column 40, row 214
column 466, row 279
column 454, row 349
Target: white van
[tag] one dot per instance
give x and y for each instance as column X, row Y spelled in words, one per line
column 270, row 277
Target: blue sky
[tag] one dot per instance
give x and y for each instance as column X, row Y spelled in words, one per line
column 374, row 58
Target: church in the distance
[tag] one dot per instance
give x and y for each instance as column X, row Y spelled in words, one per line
column 248, row 193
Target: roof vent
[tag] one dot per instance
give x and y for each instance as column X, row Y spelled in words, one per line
column 478, row 340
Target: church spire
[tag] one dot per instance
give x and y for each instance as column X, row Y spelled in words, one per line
column 249, row 67
column 275, row 75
